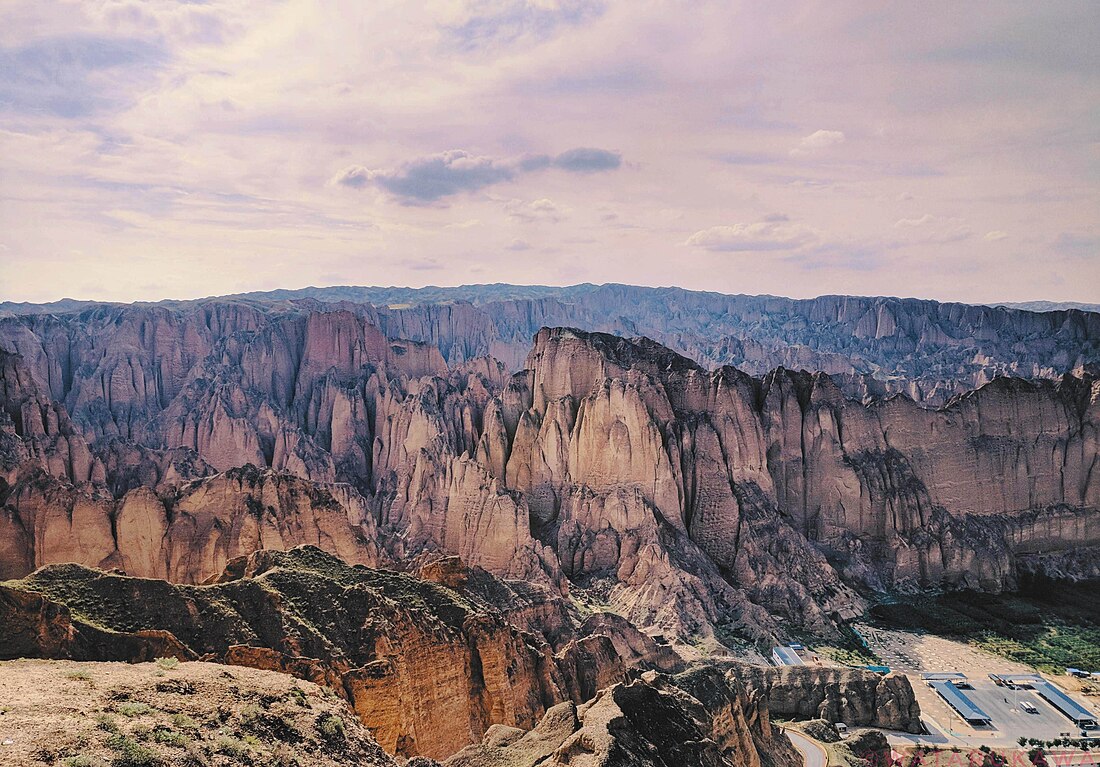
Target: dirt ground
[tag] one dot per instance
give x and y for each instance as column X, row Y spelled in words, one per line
column 72, row 714
column 910, row 651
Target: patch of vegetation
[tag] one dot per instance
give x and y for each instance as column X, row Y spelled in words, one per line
column 184, row 722
column 130, row 753
column 169, row 737
column 847, row 649
column 134, row 709
column 250, row 714
column 167, row 663
column 106, row 722
column 298, row 696
column 80, row 675
column 1047, row 625
column 227, row 745
column 331, row 729
column 83, row 760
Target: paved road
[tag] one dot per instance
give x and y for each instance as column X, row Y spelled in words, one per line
column 812, row 753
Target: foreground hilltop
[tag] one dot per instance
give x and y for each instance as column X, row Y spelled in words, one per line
column 156, row 714
column 875, row 345
column 429, row 664
column 616, row 472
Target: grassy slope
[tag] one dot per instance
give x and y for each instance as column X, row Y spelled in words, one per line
column 1050, row 627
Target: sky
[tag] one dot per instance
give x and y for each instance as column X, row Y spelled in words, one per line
column 168, row 149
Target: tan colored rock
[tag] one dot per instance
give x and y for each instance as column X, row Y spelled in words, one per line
column 697, row 718
column 190, row 535
column 852, row 696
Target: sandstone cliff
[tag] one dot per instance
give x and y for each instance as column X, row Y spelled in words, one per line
column 856, row 697
column 615, row 471
column 924, row 349
column 428, row 669
column 700, row 717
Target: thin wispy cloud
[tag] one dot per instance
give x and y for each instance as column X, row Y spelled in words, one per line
column 76, row 76
column 778, row 233
column 494, row 23
column 817, row 141
column 178, row 143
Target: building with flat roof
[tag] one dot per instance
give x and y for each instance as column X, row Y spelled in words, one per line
column 962, row 704
column 785, row 656
column 1068, row 707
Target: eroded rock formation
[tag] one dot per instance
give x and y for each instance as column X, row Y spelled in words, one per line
column 428, row 669
column 700, row 717
column 614, row 471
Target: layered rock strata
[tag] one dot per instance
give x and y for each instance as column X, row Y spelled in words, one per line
column 700, row 717
column 695, row 503
column 428, row 669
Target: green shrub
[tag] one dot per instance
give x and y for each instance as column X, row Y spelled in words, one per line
column 184, row 722
column 130, row 753
column 169, row 737
column 168, row 663
column 134, row 709
column 106, row 722
column 331, row 727
column 80, row 675
column 230, row 746
column 250, row 714
column 82, row 760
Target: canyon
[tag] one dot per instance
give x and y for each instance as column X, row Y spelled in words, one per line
column 493, row 534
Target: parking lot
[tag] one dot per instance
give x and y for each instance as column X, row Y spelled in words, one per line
column 913, row 653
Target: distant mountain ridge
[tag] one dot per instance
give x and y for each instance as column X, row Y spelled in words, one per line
column 873, row 346
column 1051, row 306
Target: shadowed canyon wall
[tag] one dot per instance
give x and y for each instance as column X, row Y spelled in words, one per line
column 611, row 470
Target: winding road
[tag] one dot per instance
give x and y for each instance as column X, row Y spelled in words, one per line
column 813, row 754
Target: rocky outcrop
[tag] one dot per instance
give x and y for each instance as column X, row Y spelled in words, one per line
column 924, row 349
column 853, row 696
column 64, row 712
column 632, row 457
column 427, row 669
column 695, row 503
column 188, row 532
column 699, row 717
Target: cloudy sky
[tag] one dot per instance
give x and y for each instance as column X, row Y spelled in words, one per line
column 178, row 149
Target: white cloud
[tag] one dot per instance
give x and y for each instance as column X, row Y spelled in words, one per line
column 934, row 229
column 763, row 235
column 909, row 223
column 817, row 140
column 542, row 209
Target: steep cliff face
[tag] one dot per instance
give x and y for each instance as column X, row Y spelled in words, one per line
column 428, row 669
column 853, row 696
column 874, row 345
column 924, row 349
column 700, row 717
column 617, row 471
column 188, row 532
column 610, row 451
